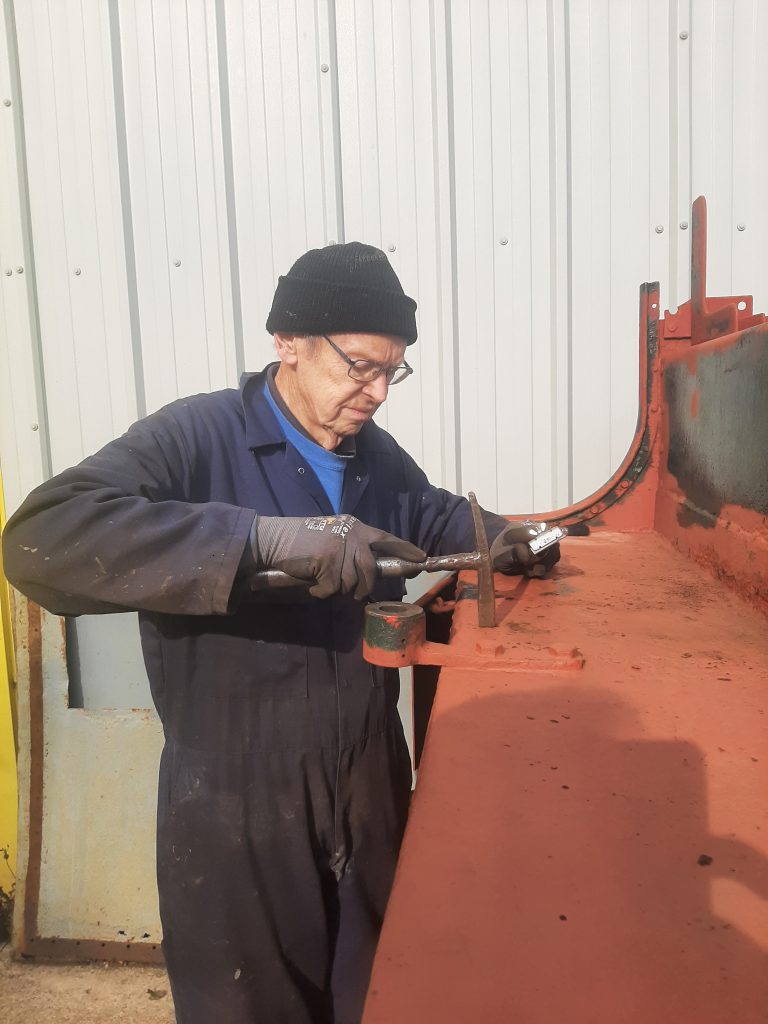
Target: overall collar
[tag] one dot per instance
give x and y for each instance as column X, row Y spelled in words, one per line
column 261, row 426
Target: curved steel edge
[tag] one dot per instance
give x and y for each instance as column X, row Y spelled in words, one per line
column 638, row 457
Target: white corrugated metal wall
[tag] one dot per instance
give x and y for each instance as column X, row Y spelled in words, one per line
column 525, row 163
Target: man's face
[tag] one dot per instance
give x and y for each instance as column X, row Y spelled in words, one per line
column 321, row 393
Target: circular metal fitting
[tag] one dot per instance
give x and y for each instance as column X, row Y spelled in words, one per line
column 393, row 633
column 6, row 103
column 35, row 426
column 684, row 34
column 659, row 229
column 78, row 271
column 177, row 263
column 503, row 240
column 741, row 226
column 9, row 273
column 683, row 225
column 324, row 68
column 392, row 248
column 19, row 270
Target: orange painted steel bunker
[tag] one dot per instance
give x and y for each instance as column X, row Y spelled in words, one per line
column 588, row 840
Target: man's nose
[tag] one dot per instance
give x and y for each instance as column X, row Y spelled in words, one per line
column 377, row 389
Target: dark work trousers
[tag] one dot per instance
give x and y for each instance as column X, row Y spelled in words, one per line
column 274, row 871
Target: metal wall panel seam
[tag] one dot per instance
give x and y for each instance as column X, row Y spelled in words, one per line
column 213, row 240
column 680, row 153
column 199, row 160
column 559, row 249
column 249, row 170
column 108, row 224
column 333, row 173
column 513, row 247
column 744, row 206
column 24, row 444
column 422, row 136
column 225, row 114
column 143, row 149
column 567, row 76
column 757, row 226
column 540, row 356
column 627, row 110
column 711, row 36
column 162, row 160
column 319, row 221
column 267, row 161
column 397, row 188
column 48, row 228
column 660, row 155
column 126, row 210
column 445, row 239
column 180, row 193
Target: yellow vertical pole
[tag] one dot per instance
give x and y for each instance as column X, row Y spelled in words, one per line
column 8, row 782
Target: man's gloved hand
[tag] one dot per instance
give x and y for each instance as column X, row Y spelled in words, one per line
column 337, row 552
column 510, row 552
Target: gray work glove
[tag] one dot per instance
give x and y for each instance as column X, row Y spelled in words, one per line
column 510, row 553
column 337, row 552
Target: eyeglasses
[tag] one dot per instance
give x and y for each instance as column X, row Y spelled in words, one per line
column 365, row 370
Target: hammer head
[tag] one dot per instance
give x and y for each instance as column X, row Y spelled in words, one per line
column 486, row 601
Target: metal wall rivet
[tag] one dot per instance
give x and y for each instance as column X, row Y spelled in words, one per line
column 6, row 103
column 684, row 34
column 35, row 426
column 741, row 226
column 300, row 469
column 19, row 270
column 331, row 241
column 659, row 229
column 8, row 273
column 391, row 248
column 177, row 263
column 78, row 271
column 324, row 68
column 503, row 241
column 683, row 225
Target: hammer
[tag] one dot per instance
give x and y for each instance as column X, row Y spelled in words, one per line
column 479, row 560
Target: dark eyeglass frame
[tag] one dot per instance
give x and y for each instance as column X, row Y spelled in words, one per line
column 394, row 374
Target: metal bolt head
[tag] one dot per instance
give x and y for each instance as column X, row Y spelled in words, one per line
column 503, row 240
column 35, row 426
column 9, row 273
column 78, row 271
column 6, row 103
column 741, row 226
column 659, row 229
column 684, row 34
column 19, row 270
column 391, row 248
column 683, row 225
column 177, row 263
column 324, row 68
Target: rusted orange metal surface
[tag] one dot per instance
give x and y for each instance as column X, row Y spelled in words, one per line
column 588, row 841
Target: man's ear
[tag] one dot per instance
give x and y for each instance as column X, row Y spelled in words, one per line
column 285, row 346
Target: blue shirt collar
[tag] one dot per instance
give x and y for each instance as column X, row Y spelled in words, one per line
column 261, row 425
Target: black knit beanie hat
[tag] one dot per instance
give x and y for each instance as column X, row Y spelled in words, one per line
column 343, row 289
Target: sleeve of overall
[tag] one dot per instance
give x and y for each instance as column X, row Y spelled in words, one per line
column 116, row 532
column 441, row 522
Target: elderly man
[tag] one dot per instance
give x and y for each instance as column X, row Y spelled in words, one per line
column 285, row 777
